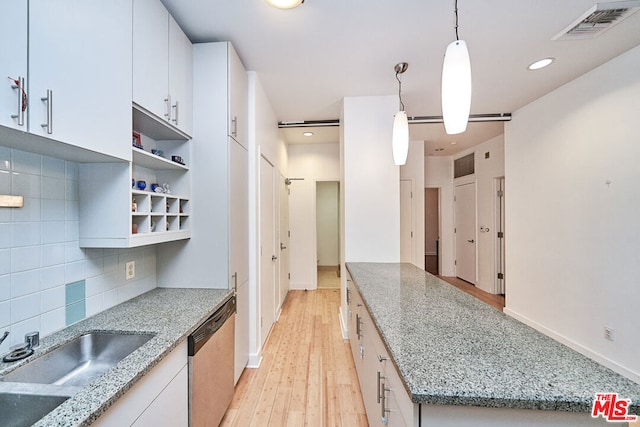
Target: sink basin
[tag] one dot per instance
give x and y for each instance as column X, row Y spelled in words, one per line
column 17, row 409
column 80, row 361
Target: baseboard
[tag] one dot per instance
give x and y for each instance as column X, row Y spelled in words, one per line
column 343, row 326
column 255, row 360
column 614, row 366
column 302, row 286
column 327, row 268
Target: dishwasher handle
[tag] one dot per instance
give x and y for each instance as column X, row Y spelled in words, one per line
column 201, row 335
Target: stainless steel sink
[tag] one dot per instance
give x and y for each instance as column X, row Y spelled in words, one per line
column 18, row 409
column 80, row 361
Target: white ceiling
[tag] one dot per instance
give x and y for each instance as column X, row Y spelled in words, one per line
column 311, row 57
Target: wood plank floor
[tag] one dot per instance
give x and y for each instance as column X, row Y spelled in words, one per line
column 496, row 301
column 307, row 375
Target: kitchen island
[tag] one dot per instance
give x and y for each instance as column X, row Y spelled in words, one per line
column 170, row 314
column 462, row 362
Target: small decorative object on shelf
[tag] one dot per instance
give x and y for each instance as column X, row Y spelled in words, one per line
column 177, row 159
column 134, row 206
column 134, row 228
column 137, row 141
column 133, row 183
column 157, row 152
column 141, row 185
column 165, row 188
column 155, row 187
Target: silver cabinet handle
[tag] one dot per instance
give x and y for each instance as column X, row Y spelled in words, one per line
column 348, row 296
column 22, row 100
column 380, row 377
column 235, row 282
column 383, row 406
column 282, row 246
column 176, row 110
column 273, row 257
column 167, row 107
column 382, row 358
column 358, row 326
column 234, row 122
column 49, row 100
column 471, row 241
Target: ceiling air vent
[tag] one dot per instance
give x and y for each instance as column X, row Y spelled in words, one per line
column 598, row 19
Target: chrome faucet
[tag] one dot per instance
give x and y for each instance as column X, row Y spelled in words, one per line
column 4, row 337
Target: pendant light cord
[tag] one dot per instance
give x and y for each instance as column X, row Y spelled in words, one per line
column 400, row 91
column 455, row 7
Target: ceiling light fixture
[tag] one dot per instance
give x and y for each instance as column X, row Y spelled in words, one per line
column 400, row 139
column 285, row 4
column 308, row 134
column 456, row 84
column 541, row 63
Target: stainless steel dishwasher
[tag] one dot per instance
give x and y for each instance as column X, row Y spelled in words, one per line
column 211, row 363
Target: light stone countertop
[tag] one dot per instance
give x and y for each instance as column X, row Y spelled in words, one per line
column 172, row 314
column 452, row 349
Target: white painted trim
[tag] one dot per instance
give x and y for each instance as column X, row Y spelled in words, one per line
column 633, row 376
column 343, row 326
column 255, row 360
column 302, row 286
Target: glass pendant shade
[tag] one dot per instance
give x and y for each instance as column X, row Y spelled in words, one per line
column 285, row 4
column 400, row 141
column 456, row 87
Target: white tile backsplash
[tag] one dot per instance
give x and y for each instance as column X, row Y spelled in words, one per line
column 40, row 253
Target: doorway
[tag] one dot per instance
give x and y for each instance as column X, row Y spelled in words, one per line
column 432, row 230
column 328, row 234
column 465, row 231
column 283, row 232
column 501, row 286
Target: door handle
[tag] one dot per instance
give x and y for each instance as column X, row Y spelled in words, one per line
column 273, row 257
column 282, row 246
column 471, row 241
column 49, row 100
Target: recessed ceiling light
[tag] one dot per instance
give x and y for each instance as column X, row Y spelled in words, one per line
column 454, row 142
column 541, row 63
column 285, row 4
column 308, row 134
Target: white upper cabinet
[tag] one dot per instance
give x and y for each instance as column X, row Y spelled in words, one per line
column 162, row 65
column 238, row 95
column 79, row 82
column 13, row 63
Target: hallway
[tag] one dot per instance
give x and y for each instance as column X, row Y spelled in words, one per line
column 307, row 375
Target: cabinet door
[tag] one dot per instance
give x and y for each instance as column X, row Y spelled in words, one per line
column 239, row 247
column 238, row 94
column 13, row 60
column 80, row 53
column 180, row 78
column 151, row 57
column 171, row 407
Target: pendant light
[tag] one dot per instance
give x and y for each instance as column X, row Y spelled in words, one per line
column 456, row 84
column 400, row 139
column 285, row 4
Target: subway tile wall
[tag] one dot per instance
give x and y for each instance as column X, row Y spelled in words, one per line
column 46, row 280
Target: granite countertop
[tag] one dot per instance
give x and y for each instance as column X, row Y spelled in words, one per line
column 452, row 349
column 171, row 314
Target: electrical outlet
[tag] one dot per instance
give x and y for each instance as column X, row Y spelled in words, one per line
column 608, row 333
column 130, row 270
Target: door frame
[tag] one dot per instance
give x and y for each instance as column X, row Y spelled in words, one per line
column 411, row 207
column 266, row 252
column 315, row 224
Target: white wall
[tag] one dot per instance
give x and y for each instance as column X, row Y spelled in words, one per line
column 438, row 173
column 414, row 170
column 264, row 139
column 371, row 181
column 572, row 235
column 313, row 162
column 40, row 257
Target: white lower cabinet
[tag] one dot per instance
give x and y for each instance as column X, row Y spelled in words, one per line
column 159, row 398
column 385, row 399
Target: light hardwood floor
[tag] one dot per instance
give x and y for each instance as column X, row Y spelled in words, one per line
column 496, row 301
column 307, row 375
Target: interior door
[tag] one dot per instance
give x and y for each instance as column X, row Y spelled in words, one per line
column 406, row 220
column 465, row 229
column 284, row 242
column 268, row 254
